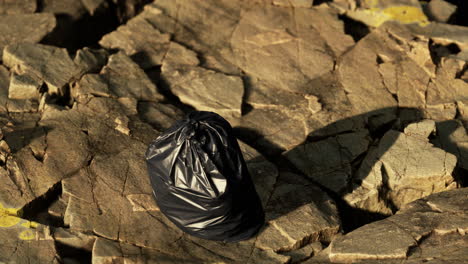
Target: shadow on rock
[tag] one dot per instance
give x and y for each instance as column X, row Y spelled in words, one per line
column 366, row 167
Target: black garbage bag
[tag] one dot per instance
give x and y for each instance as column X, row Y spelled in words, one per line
column 200, row 180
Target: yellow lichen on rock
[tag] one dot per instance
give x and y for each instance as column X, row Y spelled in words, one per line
column 8, row 216
column 374, row 13
column 27, row 234
column 407, row 15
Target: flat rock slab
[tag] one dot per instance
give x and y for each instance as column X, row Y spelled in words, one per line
column 409, row 235
column 24, row 27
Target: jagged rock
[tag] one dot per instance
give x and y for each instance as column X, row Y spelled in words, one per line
column 452, row 137
column 439, row 10
column 74, row 239
column 443, row 33
column 24, row 27
column 140, row 40
column 212, row 16
column 91, row 85
column 274, row 49
column 375, row 13
column 203, row 89
column 328, row 161
column 10, row 7
column 125, row 79
column 24, row 87
column 89, row 60
column 51, row 64
column 24, row 241
column 160, row 116
column 417, row 233
column 402, row 168
column 298, row 213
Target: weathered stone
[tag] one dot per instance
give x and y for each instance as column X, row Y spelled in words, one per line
column 24, row 27
column 375, row 13
column 126, row 79
column 305, row 252
column 51, row 64
column 274, row 49
column 140, row 40
column 403, row 168
column 421, row 129
column 291, row 203
column 24, row 87
column 443, row 33
column 409, row 233
column 452, row 137
column 439, row 10
column 74, row 239
column 9, row 7
column 89, row 60
column 204, row 89
column 160, row 116
column 328, row 162
column 91, row 85
column 212, row 16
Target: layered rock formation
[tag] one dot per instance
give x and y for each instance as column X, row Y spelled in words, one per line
column 333, row 125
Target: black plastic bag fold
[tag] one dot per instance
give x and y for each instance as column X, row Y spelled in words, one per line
column 200, row 180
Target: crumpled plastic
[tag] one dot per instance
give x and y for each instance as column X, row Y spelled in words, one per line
column 200, row 180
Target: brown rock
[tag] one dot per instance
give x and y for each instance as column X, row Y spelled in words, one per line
column 24, row 27
column 439, row 10
column 298, row 213
column 126, row 79
column 140, row 40
column 24, row 87
column 328, row 162
column 9, row 7
column 417, row 232
column 51, row 64
column 404, row 167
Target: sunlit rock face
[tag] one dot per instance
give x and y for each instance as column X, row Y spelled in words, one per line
column 346, row 112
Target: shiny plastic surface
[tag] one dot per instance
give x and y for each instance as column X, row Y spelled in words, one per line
column 200, row 180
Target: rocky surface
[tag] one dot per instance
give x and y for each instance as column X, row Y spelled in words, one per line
column 340, row 123
column 432, row 230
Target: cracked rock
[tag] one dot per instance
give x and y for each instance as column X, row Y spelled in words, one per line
column 453, row 138
column 24, row 27
column 140, row 40
column 206, row 90
column 286, row 49
column 328, row 161
column 416, row 233
column 51, row 64
column 24, row 87
column 125, row 79
column 402, row 168
column 298, row 213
